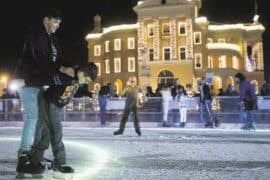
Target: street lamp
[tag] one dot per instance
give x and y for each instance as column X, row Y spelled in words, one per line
column 4, row 80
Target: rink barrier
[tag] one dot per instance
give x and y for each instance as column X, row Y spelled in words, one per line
column 86, row 109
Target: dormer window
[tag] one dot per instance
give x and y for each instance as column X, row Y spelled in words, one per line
column 163, row 2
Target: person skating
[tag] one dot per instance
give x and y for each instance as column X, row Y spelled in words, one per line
column 103, row 94
column 40, row 58
column 49, row 127
column 130, row 106
column 166, row 99
column 247, row 100
column 206, row 104
column 181, row 101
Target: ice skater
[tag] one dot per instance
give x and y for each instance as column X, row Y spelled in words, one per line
column 49, row 127
column 131, row 105
column 41, row 59
column 166, row 99
column 182, row 105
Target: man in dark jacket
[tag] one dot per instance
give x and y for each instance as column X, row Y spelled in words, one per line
column 206, row 104
column 265, row 89
column 248, row 100
column 49, row 127
column 131, row 105
column 103, row 94
column 40, row 60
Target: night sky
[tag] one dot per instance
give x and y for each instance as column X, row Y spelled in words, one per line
column 17, row 16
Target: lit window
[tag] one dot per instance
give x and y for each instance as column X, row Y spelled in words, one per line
column 182, row 53
column 166, row 29
column 235, row 62
column 107, row 46
column 198, row 61
column 196, row 11
column 182, row 28
column 107, row 66
column 117, row 65
column 222, row 62
column 151, row 54
column 210, row 62
column 209, row 40
column 131, row 64
column 150, row 29
column 117, row 44
column 221, row 40
column 167, row 54
column 197, row 38
column 97, row 50
column 99, row 68
column 131, row 43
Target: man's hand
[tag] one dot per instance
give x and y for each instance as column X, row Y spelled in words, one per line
column 68, row 71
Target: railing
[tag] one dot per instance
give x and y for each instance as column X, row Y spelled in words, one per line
column 86, row 109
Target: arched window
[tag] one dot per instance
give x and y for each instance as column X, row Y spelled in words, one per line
column 118, row 86
column 165, row 78
column 96, row 87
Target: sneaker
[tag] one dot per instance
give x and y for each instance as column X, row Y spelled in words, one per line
column 63, row 168
column 118, row 132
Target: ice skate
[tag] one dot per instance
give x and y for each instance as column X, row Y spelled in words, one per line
column 63, row 172
column 29, row 170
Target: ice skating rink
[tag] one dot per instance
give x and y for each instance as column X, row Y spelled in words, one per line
column 160, row 153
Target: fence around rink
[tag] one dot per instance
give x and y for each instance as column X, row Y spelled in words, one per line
column 225, row 108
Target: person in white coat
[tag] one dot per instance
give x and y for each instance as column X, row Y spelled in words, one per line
column 182, row 105
column 166, row 98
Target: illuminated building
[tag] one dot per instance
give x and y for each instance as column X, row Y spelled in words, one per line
column 171, row 41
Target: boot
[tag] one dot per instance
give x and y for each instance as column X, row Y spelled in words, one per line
column 182, row 125
column 165, row 124
column 23, row 160
column 217, row 122
column 209, row 125
column 248, row 126
column 118, row 132
column 139, row 132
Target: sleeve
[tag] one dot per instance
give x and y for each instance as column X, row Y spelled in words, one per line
column 242, row 91
column 56, row 79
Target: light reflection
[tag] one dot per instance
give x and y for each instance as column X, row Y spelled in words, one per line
column 94, row 156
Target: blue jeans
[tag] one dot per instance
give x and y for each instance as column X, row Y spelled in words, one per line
column 102, row 100
column 29, row 100
column 246, row 117
column 206, row 107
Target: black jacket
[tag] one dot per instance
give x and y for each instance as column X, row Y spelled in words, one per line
column 36, row 65
column 61, row 95
column 206, row 93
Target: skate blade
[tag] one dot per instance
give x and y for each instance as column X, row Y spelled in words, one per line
column 28, row 176
column 64, row 176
